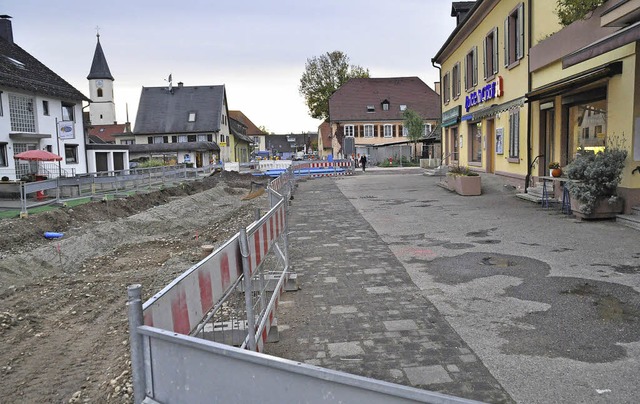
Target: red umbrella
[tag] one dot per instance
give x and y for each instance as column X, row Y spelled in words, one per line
column 37, row 155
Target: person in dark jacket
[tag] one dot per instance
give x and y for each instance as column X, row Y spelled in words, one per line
column 363, row 162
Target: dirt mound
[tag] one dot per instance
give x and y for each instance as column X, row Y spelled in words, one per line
column 63, row 321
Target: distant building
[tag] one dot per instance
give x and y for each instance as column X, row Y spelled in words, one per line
column 184, row 124
column 370, row 112
column 286, row 146
column 32, row 99
column 256, row 134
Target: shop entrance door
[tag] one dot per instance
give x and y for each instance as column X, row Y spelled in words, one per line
column 547, row 138
column 489, row 145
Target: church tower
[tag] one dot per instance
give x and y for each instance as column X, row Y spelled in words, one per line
column 102, row 110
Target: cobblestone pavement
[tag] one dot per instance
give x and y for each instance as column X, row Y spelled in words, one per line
column 358, row 310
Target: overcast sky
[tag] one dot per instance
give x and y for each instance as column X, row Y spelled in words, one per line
column 257, row 49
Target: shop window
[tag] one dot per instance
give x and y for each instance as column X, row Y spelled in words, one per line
column 514, row 134
column 587, row 126
column 71, row 153
column 471, row 69
column 514, row 36
column 475, row 140
column 348, row 130
column 490, row 54
column 455, row 81
column 446, row 88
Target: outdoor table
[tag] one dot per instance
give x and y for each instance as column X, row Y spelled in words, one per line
column 566, row 202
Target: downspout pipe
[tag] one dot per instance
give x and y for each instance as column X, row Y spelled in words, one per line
column 529, row 84
column 433, row 63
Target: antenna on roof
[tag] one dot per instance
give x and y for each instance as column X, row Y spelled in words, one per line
column 170, row 81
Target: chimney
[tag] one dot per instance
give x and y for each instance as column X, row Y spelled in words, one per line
column 6, row 32
column 180, row 84
column 436, row 87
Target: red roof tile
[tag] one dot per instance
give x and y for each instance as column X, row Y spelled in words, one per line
column 106, row 132
column 252, row 129
column 350, row 101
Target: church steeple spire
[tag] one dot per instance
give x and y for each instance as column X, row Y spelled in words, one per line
column 99, row 67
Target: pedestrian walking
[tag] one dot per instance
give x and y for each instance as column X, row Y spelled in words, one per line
column 363, row 162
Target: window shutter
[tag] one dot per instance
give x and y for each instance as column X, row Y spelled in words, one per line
column 174, row 139
column 375, row 130
column 393, row 131
column 520, row 39
column 466, row 72
column 475, row 67
column 495, row 50
column 150, row 139
column 484, row 58
column 506, row 42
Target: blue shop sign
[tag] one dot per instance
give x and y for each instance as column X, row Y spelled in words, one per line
column 488, row 92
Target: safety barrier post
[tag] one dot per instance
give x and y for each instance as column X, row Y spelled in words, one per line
column 251, row 321
column 134, row 302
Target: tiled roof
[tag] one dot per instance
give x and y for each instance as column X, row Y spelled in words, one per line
column 164, row 111
column 106, row 132
column 252, row 129
column 350, row 101
column 21, row 71
column 99, row 66
column 237, row 128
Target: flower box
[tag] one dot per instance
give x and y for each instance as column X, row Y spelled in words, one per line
column 602, row 210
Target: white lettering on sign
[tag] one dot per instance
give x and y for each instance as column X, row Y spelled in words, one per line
column 488, row 92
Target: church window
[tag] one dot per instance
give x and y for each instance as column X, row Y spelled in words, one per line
column 100, row 93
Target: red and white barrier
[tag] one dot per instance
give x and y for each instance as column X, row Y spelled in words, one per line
column 182, row 305
column 262, row 332
column 264, row 233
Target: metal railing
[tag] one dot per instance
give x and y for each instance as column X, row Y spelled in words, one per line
column 167, row 356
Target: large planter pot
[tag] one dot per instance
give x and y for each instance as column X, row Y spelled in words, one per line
column 467, row 185
column 602, row 210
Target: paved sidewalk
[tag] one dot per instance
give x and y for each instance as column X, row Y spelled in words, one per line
column 358, row 310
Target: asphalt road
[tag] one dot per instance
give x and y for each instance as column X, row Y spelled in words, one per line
column 549, row 304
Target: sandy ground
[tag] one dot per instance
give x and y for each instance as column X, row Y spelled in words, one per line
column 63, row 318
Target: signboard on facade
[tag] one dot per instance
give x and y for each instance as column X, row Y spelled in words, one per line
column 66, row 130
column 451, row 116
column 486, row 93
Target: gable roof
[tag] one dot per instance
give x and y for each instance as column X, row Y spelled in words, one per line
column 99, row 66
column 106, row 132
column 252, row 129
column 21, row 71
column 164, row 111
column 350, row 101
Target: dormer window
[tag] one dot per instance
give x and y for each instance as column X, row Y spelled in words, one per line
column 371, row 108
column 192, row 117
column 403, row 107
column 385, row 105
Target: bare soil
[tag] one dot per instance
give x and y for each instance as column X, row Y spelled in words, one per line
column 63, row 317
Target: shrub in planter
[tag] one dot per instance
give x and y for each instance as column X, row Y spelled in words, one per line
column 597, row 176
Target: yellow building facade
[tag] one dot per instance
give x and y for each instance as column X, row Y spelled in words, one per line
column 484, row 71
column 585, row 90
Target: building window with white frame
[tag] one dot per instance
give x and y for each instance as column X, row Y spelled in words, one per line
column 490, row 54
column 514, row 133
column 514, row 36
column 471, row 69
column 182, row 139
column 348, row 130
column 368, row 130
column 157, row 140
column 427, row 130
column 202, row 138
column 45, row 107
column 405, row 131
column 388, row 130
column 455, row 81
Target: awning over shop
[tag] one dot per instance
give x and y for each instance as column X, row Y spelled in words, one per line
column 616, row 40
column 494, row 109
column 575, row 81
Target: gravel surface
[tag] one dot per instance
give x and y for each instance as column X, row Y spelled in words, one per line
column 63, row 318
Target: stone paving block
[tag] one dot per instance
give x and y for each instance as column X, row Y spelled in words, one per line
column 378, row 289
column 400, row 325
column 425, row 375
column 345, row 349
column 343, row 309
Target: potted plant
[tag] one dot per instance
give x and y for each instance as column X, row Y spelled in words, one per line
column 554, row 169
column 595, row 177
column 464, row 181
